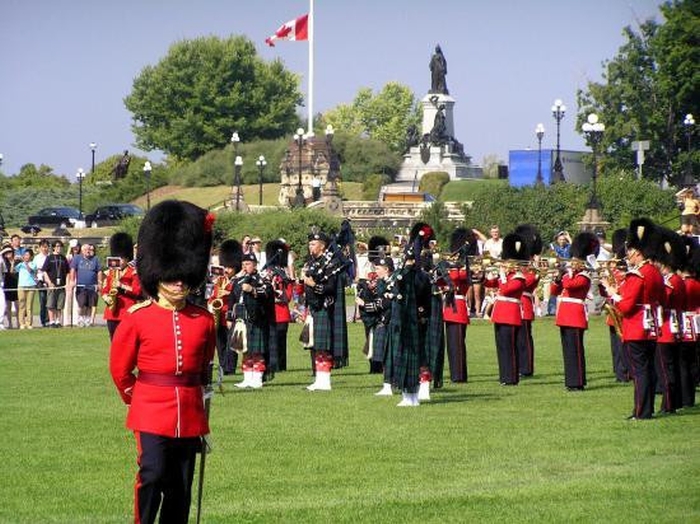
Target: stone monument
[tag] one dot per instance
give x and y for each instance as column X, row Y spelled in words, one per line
column 435, row 147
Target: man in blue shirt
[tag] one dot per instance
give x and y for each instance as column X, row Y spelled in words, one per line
column 86, row 275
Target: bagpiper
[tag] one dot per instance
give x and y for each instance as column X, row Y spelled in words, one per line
column 121, row 288
column 171, row 343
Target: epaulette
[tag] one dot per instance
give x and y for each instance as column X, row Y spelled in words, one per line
column 634, row 272
column 140, row 305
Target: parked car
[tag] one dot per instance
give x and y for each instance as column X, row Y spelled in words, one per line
column 61, row 216
column 111, row 214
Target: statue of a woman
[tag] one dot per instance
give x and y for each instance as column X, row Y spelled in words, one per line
column 438, row 69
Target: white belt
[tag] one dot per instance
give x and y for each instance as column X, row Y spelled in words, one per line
column 528, row 294
column 508, row 299
column 461, row 297
column 572, row 300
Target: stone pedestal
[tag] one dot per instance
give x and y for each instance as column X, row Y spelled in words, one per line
column 593, row 221
column 236, row 202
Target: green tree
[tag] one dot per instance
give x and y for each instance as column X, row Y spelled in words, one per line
column 203, row 90
column 646, row 91
column 360, row 157
column 43, row 176
column 385, row 116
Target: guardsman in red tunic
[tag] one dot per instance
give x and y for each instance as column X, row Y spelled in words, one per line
column 277, row 253
column 121, row 288
column 222, row 279
column 171, row 343
column 689, row 336
column 572, row 316
column 507, row 309
column 526, row 344
column 670, row 257
column 637, row 300
column 455, row 311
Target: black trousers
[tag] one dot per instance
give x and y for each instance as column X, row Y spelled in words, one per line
column 640, row 354
column 668, row 375
column 507, row 351
column 686, row 364
column 619, row 357
column 164, row 480
column 43, row 312
column 526, row 349
column 281, row 329
column 228, row 359
column 112, row 326
column 456, row 340
column 574, row 357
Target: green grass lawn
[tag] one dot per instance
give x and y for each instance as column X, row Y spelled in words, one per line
column 477, row 453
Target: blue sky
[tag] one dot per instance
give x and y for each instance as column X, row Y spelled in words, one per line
column 66, row 65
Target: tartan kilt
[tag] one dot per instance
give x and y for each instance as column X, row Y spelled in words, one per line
column 435, row 340
column 258, row 339
column 322, row 330
column 379, row 343
column 403, row 337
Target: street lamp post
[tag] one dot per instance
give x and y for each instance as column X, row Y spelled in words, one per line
column 261, row 163
column 237, row 165
column 300, row 139
column 539, row 132
column 1, row 158
column 593, row 130
column 558, row 112
column 147, row 173
column 689, row 124
column 235, row 140
column 80, row 175
column 93, row 147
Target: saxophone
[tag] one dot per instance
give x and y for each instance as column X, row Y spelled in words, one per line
column 217, row 303
column 615, row 315
column 111, row 297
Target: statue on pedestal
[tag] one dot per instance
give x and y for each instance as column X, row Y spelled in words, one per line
column 438, row 69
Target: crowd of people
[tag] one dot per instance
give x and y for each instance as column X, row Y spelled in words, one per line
column 228, row 309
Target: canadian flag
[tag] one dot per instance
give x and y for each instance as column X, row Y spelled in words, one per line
column 297, row 29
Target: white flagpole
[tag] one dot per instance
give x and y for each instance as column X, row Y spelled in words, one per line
column 310, row 101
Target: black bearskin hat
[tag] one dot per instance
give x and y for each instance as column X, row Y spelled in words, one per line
column 231, row 254
column 532, row 237
column 121, row 245
column 174, row 242
column 377, row 247
column 619, row 237
column 514, row 248
column 585, row 244
column 276, row 253
column 643, row 236
column 671, row 249
column 464, row 241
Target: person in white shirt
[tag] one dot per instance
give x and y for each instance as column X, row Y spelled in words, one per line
column 494, row 243
column 39, row 260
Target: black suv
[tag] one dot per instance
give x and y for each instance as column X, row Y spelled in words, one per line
column 111, row 214
column 55, row 217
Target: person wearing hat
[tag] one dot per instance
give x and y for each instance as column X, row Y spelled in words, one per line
column 670, row 259
column 256, row 249
column 526, row 343
column 230, row 255
column 251, row 309
column 637, row 300
column 324, row 291
column 56, row 270
column 277, row 253
column 572, row 316
column 377, row 308
column 121, row 287
column 172, row 343
column 507, row 308
column 688, row 364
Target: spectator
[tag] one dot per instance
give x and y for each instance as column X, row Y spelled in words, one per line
column 39, row 260
column 256, row 249
column 245, row 243
column 86, row 275
column 56, row 271
column 562, row 244
column 9, row 283
column 494, row 244
column 6, row 248
column 71, row 309
column 26, row 277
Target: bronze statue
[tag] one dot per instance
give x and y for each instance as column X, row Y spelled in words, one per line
column 122, row 167
column 438, row 134
column 438, row 69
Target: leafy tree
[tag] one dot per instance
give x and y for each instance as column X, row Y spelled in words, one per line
column 360, row 157
column 203, row 90
column 43, row 176
column 385, row 116
column 647, row 90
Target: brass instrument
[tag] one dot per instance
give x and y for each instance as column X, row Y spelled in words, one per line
column 111, row 298
column 615, row 315
column 216, row 304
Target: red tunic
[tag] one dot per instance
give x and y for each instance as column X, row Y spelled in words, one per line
column 571, row 305
column 457, row 312
column 642, row 290
column 532, row 278
column 507, row 308
column 690, row 308
column 674, row 290
column 171, row 346
column 129, row 292
column 283, row 294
